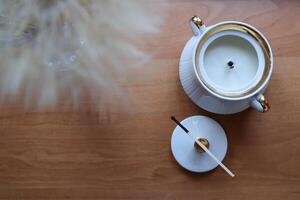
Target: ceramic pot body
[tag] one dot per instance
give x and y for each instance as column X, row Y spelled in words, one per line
column 225, row 68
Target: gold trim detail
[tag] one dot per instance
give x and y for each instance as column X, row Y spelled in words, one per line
column 197, row 21
column 204, row 142
column 243, row 28
column 264, row 103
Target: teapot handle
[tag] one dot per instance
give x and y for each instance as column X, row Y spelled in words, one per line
column 197, row 25
column 260, row 104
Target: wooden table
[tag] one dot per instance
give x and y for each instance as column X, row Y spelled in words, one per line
column 123, row 151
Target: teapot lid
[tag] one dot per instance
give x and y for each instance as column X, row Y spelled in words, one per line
column 210, row 133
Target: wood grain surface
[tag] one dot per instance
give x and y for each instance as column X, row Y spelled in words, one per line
column 123, row 151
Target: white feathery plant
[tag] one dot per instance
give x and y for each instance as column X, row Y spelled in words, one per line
column 55, row 48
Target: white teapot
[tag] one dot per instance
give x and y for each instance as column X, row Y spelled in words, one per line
column 225, row 68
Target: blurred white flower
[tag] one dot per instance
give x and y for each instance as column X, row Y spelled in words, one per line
column 51, row 49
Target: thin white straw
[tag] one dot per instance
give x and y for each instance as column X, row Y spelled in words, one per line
column 211, row 155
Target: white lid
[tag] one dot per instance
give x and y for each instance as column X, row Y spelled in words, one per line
column 182, row 145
